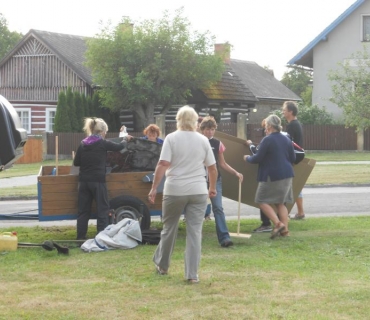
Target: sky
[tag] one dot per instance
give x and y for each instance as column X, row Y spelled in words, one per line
column 268, row 32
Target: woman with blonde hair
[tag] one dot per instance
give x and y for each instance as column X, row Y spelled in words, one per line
column 275, row 156
column 91, row 158
column 184, row 156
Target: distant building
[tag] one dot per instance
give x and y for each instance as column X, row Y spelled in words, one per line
column 342, row 38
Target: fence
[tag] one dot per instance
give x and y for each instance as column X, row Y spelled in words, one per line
column 316, row 137
column 32, row 151
column 320, row 137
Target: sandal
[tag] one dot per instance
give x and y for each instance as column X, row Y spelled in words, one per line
column 278, row 228
column 284, row 233
column 160, row 271
column 299, row 216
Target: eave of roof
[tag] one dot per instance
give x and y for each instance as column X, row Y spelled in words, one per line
column 305, row 56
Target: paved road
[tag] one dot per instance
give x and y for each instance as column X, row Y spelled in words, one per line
column 318, row 202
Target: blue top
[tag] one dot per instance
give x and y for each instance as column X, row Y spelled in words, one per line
column 275, row 156
column 159, row 140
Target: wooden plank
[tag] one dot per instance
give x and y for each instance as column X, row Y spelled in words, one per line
column 62, row 188
column 53, row 196
column 67, row 204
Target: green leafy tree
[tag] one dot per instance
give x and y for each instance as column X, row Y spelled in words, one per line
column 61, row 121
column 309, row 115
column 351, row 89
column 155, row 63
column 89, row 105
column 307, row 96
column 85, row 108
column 72, row 110
column 79, row 109
column 297, row 80
column 8, row 39
column 95, row 105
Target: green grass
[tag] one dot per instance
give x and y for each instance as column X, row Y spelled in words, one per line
column 339, row 156
column 321, row 271
column 20, row 170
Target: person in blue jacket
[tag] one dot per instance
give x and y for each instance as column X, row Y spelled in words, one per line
column 275, row 157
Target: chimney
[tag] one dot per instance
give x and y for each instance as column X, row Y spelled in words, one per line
column 223, row 49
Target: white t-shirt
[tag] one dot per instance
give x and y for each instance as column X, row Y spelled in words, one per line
column 189, row 152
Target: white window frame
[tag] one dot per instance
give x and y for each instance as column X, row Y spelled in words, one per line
column 364, row 37
column 22, row 110
column 47, row 118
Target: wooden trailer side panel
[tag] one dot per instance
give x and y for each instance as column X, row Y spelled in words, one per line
column 58, row 194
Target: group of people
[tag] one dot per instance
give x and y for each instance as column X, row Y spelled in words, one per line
column 190, row 159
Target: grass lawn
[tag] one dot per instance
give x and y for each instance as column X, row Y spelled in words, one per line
column 322, row 271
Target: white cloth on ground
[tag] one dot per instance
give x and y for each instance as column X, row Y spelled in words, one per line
column 123, row 235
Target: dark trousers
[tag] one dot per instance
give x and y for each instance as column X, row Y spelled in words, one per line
column 264, row 219
column 87, row 192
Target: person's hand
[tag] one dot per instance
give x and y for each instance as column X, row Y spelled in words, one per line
column 151, row 195
column 245, row 157
column 212, row 193
column 248, row 142
column 128, row 137
column 240, row 176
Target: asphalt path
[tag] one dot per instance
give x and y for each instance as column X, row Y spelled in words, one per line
column 318, row 202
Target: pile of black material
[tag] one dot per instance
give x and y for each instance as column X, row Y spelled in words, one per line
column 139, row 155
column 151, row 236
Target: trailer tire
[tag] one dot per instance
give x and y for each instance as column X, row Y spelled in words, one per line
column 130, row 207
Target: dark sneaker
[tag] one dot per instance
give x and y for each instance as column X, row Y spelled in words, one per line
column 263, row 229
column 227, row 243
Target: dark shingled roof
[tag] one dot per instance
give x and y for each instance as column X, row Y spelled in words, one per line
column 70, row 49
column 230, row 88
column 261, row 82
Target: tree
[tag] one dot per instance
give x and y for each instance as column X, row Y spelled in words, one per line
column 72, row 110
column 77, row 102
column 61, row 121
column 8, row 39
column 351, row 89
column 155, row 63
column 297, row 80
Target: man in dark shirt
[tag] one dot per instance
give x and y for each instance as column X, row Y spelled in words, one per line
column 294, row 129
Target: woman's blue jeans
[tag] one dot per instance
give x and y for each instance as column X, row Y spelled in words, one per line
column 218, row 211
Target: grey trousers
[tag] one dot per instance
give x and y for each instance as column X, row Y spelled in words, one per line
column 194, row 207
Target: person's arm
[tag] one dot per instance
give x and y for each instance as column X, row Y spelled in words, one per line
column 77, row 158
column 160, row 170
column 212, row 178
column 222, row 163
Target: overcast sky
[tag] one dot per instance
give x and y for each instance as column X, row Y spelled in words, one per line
column 268, row 32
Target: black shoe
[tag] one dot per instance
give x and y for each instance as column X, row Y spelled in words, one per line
column 263, row 229
column 227, row 243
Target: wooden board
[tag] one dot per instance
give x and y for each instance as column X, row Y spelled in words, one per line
column 58, row 195
column 235, row 149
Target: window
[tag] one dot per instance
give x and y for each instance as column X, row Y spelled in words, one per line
column 25, row 117
column 365, row 28
column 50, row 117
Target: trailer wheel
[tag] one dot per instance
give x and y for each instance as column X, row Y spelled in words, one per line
column 130, row 207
